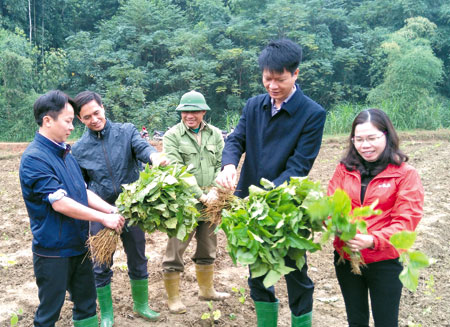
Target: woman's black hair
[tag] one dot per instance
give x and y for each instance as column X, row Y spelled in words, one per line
column 391, row 154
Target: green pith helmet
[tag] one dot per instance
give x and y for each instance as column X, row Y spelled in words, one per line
column 192, row 101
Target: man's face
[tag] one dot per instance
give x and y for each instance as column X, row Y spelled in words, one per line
column 93, row 116
column 192, row 119
column 279, row 86
column 59, row 129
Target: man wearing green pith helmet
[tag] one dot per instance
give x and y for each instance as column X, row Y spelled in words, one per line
column 194, row 142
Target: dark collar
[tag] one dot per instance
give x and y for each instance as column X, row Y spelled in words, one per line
column 55, row 148
column 291, row 106
column 101, row 134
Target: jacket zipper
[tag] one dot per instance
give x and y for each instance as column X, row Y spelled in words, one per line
column 108, row 165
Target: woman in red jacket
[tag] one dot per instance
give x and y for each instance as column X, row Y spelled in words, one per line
column 374, row 169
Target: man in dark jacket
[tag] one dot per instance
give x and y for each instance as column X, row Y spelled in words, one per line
column 59, row 207
column 109, row 154
column 280, row 132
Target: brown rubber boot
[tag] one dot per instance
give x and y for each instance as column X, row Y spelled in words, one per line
column 172, row 285
column 205, row 274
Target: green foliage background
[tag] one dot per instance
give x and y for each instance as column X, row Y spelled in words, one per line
column 142, row 55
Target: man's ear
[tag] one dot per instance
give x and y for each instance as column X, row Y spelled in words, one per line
column 79, row 118
column 46, row 121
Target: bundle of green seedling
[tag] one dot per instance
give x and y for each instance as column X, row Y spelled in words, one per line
column 276, row 222
column 161, row 199
column 270, row 224
column 341, row 221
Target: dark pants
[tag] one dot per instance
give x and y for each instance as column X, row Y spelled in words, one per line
column 299, row 286
column 133, row 239
column 55, row 276
column 380, row 280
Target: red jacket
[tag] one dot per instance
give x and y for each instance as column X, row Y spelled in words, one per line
column 400, row 195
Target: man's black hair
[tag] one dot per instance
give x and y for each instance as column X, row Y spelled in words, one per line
column 51, row 104
column 85, row 97
column 280, row 55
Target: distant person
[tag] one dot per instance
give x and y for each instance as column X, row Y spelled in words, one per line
column 60, row 208
column 280, row 133
column 194, row 142
column 109, row 154
column 144, row 133
column 374, row 169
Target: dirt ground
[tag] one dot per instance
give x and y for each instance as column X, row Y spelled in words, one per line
column 429, row 307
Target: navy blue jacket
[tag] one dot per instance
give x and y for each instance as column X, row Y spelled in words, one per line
column 110, row 158
column 277, row 147
column 45, row 168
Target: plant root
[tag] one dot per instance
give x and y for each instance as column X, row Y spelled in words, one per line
column 103, row 245
column 213, row 211
column 356, row 262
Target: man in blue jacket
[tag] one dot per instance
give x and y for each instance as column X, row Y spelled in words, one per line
column 59, row 207
column 280, row 133
column 109, row 155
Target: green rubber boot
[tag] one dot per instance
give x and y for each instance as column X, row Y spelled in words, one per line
column 266, row 313
column 304, row 320
column 88, row 322
column 106, row 306
column 139, row 290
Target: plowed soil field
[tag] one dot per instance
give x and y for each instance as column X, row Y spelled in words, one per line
column 429, row 307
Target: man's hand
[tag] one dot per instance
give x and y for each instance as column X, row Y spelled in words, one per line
column 203, row 198
column 227, row 177
column 212, row 196
column 113, row 221
column 159, row 159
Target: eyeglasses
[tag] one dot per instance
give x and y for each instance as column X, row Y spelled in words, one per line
column 371, row 139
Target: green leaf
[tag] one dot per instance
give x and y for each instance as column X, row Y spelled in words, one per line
column 181, row 233
column 418, row 260
column 403, row 240
column 14, row 319
column 271, row 278
column 245, row 257
column 409, row 278
column 171, row 223
column 268, row 185
column 259, row 269
column 217, row 314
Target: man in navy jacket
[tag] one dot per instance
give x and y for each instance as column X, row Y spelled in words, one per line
column 280, row 133
column 60, row 207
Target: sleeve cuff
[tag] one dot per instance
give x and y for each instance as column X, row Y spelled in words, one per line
column 58, row 195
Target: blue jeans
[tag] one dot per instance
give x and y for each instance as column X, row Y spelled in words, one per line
column 55, row 276
column 133, row 240
column 299, row 286
column 380, row 280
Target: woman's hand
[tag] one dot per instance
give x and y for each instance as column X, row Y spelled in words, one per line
column 360, row 242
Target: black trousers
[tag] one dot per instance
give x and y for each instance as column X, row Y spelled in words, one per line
column 133, row 240
column 299, row 286
column 55, row 276
column 380, row 280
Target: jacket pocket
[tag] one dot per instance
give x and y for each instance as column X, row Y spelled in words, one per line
column 188, row 154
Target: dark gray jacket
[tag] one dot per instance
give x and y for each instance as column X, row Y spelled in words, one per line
column 110, row 158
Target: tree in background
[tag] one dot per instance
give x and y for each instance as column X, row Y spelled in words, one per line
column 411, row 70
column 141, row 55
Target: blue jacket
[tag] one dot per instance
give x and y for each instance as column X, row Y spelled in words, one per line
column 110, row 158
column 277, row 147
column 45, row 168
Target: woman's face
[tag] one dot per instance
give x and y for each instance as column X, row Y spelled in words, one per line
column 369, row 141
